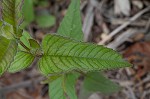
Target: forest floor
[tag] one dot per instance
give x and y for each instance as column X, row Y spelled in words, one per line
column 121, row 25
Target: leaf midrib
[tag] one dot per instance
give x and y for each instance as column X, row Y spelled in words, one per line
column 104, row 59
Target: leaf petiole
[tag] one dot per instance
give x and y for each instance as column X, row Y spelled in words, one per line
column 23, row 45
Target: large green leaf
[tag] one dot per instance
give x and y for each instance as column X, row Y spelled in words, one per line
column 62, row 55
column 70, row 83
column 63, row 87
column 21, row 61
column 71, row 25
column 102, row 84
column 8, row 50
column 11, row 13
column 23, row 57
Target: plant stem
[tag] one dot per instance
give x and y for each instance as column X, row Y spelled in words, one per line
column 24, row 46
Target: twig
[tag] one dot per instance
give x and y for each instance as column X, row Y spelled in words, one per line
column 144, row 94
column 147, row 79
column 123, row 83
column 2, row 96
column 88, row 21
column 20, row 85
column 123, row 37
column 113, row 33
column 148, row 26
column 83, row 4
column 116, row 21
column 132, row 95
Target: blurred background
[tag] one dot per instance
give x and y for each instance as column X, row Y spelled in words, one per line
column 123, row 25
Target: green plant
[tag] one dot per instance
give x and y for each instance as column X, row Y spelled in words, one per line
column 62, row 57
column 43, row 20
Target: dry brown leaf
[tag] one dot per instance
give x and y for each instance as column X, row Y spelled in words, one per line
column 139, row 54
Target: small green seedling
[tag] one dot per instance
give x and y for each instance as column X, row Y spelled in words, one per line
column 44, row 19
